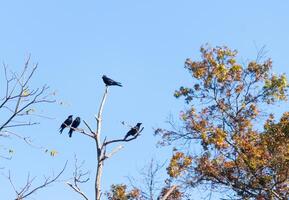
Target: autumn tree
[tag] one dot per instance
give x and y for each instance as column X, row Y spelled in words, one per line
column 120, row 192
column 226, row 105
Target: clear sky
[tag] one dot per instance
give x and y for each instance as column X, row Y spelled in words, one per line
column 142, row 44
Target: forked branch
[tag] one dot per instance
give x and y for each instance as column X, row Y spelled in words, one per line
column 26, row 190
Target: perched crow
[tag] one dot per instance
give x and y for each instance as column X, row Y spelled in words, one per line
column 110, row 82
column 66, row 123
column 74, row 124
column 133, row 131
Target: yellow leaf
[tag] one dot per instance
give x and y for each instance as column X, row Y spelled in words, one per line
column 53, row 153
column 25, row 93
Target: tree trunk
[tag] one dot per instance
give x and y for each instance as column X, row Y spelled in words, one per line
column 98, row 180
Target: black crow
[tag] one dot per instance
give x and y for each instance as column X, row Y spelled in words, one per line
column 66, row 123
column 74, row 124
column 133, row 131
column 110, row 82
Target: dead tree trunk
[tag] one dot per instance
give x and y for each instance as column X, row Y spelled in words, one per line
column 101, row 148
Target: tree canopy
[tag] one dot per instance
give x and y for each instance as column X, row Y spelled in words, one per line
column 225, row 105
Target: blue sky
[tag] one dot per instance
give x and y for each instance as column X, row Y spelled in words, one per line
column 142, row 44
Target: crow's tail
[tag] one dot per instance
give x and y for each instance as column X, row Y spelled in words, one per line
column 126, row 136
column 60, row 130
column 70, row 132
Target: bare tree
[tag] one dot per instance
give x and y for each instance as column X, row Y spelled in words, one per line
column 153, row 187
column 18, row 104
column 149, row 182
column 101, row 149
column 27, row 190
column 19, row 100
column 78, row 177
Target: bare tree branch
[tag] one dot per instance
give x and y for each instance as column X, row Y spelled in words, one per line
column 26, row 191
column 19, row 97
column 27, row 140
column 101, row 149
column 98, row 174
column 77, row 190
column 114, row 151
column 78, row 176
column 123, row 140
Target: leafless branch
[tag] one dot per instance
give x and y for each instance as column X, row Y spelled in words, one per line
column 101, row 149
column 92, row 133
column 19, row 98
column 78, row 177
column 150, row 183
column 27, row 140
column 82, row 131
column 26, row 190
column 77, row 190
column 114, row 151
column 123, row 140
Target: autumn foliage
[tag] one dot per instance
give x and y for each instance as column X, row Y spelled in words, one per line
column 120, row 192
column 227, row 104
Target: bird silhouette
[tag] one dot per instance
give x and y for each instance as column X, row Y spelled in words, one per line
column 66, row 123
column 74, row 124
column 110, row 82
column 133, row 131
